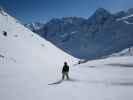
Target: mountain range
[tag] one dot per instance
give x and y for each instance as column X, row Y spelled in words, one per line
column 99, row 35
column 31, row 69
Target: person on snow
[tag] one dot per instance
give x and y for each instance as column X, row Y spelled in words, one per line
column 65, row 71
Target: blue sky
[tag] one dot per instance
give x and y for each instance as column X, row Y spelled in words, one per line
column 43, row 10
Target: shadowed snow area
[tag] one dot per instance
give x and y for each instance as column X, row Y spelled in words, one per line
column 29, row 63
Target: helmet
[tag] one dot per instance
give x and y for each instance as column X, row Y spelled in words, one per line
column 65, row 62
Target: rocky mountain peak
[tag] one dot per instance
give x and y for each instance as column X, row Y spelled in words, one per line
column 100, row 16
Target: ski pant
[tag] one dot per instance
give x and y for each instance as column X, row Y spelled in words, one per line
column 65, row 74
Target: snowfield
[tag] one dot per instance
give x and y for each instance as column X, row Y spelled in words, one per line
column 29, row 63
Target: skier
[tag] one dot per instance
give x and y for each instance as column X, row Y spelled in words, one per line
column 65, row 71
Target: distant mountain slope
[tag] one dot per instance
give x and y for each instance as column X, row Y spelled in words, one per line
column 34, row 26
column 101, row 34
column 125, row 52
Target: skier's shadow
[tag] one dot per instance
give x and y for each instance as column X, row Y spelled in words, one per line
column 55, row 83
column 65, row 80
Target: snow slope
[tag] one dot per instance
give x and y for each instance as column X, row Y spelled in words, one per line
column 26, row 60
column 29, row 63
column 107, row 79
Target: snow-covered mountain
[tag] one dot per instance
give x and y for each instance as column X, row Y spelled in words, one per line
column 16, row 40
column 101, row 34
column 25, row 57
column 34, row 26
column 125, row 52
column 28, row 63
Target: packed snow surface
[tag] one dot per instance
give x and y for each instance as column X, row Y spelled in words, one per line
column 29, row 63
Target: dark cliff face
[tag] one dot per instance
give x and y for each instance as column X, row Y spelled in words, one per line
column 101, row 34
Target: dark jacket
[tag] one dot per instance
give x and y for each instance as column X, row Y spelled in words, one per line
column 65, row 68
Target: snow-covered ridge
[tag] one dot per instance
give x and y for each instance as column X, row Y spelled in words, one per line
column 126, row 22
column 126, row 17
column 34, row 26
column 17, row 31
column 125, row 52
